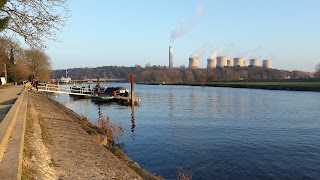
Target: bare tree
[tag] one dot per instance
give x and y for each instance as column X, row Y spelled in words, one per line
column 39, row 64
column 10, row 52
column 22, row 70
column 33, row 20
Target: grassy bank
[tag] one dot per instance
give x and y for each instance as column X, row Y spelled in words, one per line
column 270, row 85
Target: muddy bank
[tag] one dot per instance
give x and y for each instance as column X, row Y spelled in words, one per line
column 57, row 147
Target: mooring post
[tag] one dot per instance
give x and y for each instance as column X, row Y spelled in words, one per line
column 99, row 92
column 132, row 88
column 132, row 120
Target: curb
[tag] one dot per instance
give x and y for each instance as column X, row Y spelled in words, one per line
column 7, row 124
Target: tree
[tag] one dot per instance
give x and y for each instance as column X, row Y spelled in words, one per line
column 10, row 52
column 33, row 20
column 39, row 64
column 22, row 70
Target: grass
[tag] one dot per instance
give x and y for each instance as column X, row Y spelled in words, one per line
column 271, row 85
column 90, row 131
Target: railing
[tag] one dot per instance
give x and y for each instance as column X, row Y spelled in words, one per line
column 56, row 88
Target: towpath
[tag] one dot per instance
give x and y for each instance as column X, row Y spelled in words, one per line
column 63, row 150
column 55, row 145
column 8, row 96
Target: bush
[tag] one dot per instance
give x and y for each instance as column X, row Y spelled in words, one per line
column 108, row 129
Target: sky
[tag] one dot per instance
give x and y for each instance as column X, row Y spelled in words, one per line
column 129, row 33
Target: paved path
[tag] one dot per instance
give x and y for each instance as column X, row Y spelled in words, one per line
column 8, row 96
column 13, row 106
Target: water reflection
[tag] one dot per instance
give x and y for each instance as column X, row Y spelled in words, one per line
column 250, row 134
column 171, row 103
column 132, row 122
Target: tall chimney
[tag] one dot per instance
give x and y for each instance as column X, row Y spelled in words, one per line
column 170, row 57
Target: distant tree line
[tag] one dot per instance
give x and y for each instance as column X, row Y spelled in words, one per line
column 164, row 74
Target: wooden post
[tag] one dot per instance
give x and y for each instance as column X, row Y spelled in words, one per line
column 99, row 91
column 132, row 88
column 132, row 120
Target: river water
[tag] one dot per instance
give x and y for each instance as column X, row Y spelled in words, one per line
column 217, row 133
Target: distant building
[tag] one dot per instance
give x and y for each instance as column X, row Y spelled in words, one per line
column 65, row 80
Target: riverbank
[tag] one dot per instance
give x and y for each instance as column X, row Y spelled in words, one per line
column 269, row 85
column 58, row 147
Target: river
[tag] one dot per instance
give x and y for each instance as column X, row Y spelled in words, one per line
column 217, row 133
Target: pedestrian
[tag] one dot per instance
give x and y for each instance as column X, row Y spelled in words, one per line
column 33, row 82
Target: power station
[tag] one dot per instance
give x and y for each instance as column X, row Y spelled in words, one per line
column 211, row 63
column 221, row 61
column 194, row 62
column 254, row 62
column 170, row 57
column 239, row 61
column 230, row 63
column 267, row 64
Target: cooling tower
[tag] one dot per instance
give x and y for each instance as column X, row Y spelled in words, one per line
column 170, row 57
column 267, row 64
column 222, row 61
column 254, row 62
column 194, row 62
column 230, row 63
column 245, row 63
column 238, row 61
column 211, row 63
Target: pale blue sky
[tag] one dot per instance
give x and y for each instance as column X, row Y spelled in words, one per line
column 126, row 33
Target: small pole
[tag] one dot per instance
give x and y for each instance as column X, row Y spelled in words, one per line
column 132, row 88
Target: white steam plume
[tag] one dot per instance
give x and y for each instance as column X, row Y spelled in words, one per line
column 201, row 51
column 214, row 54
column 183, row 27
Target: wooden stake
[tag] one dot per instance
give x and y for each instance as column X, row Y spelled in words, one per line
column 99, row 91
column 132, row 88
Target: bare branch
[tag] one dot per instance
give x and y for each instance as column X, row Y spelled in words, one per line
column 34, row 20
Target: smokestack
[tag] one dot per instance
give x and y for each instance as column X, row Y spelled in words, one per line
column 170, row 57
